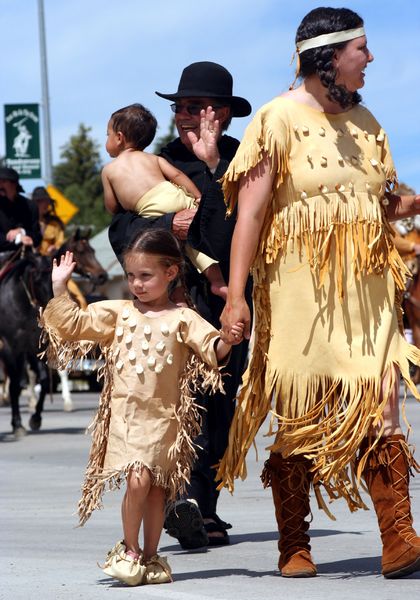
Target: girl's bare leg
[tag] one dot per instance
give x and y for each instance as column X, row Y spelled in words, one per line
column 153, row 518
column 391, row 414
column 133, row 507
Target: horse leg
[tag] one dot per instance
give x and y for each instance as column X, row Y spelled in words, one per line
column 65, row 391
column 15, row 388
column 44, row 382
column 4, row 395
column 36, row 419
column 32, row 380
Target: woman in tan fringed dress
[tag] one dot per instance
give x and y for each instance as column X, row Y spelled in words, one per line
column 313, row 178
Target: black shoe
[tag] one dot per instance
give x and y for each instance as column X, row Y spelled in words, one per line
column 217, row 526
column 184, row 522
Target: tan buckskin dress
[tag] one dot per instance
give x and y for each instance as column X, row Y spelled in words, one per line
column 327, row 283
column 153, row 366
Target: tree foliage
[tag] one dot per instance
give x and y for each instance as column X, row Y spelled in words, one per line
column 78, row 177
column 163, row 140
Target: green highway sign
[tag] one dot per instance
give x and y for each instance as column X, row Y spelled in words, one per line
column 22, row 139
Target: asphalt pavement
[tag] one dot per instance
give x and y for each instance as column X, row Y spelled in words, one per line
column 44, row 555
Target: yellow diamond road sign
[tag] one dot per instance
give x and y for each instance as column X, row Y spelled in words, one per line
column 63, row 207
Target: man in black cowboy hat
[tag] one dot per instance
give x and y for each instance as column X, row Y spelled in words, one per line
column 204, row 106
column 18, row 215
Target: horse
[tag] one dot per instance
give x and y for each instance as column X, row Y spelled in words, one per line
column 25, row 286
column 411, row 308
column 88, row 268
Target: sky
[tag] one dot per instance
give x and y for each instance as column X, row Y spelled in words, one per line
column 105, row 54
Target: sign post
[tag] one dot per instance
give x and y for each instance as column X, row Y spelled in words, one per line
column 22, row 139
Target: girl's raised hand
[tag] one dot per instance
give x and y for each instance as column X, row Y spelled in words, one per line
column 62, row 272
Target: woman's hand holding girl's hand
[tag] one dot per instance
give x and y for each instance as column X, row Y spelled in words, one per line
column 237, row 332
column 62, row 272
column 233, row 314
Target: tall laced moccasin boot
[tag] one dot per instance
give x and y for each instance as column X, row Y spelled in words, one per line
column 387, row 472
column 290, row 482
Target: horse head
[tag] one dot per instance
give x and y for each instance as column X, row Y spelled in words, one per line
column 87, row 265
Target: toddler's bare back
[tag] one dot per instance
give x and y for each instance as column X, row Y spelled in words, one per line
column 132, row 174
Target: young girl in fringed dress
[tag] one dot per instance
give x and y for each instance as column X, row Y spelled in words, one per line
column 156, row 356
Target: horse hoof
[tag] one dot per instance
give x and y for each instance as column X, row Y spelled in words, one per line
column 68, row 406
column 19, row 432
column 35, row 422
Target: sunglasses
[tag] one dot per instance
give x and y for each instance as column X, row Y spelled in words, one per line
column 192, row 109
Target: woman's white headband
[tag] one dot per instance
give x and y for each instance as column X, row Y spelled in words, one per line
column 329, row 38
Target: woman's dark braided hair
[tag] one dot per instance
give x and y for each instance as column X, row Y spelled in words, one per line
column 167, row 249
column 319, row 60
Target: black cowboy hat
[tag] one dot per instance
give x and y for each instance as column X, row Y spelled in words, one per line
column 209, row 80
column 11, row 175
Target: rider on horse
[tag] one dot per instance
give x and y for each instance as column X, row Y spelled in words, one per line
column 18, row 215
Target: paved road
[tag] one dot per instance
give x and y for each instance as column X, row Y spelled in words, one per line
column 43, row 555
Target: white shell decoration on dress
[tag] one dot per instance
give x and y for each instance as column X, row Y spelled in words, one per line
column 164, row 329
column 145, row 346
column 139, row 369
column 119, row 365
column 147, row 330
column 170, row 359
column 340, row 133
column 132, row 355
column 354, row 160
column 321, row 132
column 380, row 137
column 119, row 331
column 305, row 130
column 340, row 187
column 295, row 128
column 151, row 361
column 160, row 346
column 303, row 195
column 323, row 188
column 368, row 186
column 128, row 338
column 132, row 322
column 324, row 161
column 125, row 313
column 374, row 162
column 354, row 133
column 159, row 368
column 341, row 161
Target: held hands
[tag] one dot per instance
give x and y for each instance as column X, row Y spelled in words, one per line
column 235, row 313
column 62, row 272
column 235, row 336
column 205, row 147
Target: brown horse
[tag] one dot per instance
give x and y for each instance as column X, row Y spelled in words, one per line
column 411, row 307
column 88, row 266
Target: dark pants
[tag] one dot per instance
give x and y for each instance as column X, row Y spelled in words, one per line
column 213, row 440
